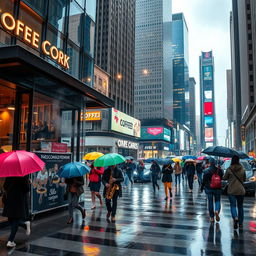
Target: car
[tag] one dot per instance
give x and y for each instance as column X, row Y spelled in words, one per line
column 250, row 183
column 146, row 174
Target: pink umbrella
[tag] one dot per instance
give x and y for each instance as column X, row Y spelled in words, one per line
column 201, row 158
column 19, row 163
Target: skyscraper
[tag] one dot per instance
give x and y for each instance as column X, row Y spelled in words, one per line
column 180, row 69
column 153, row 60
column 114, row 49
column 192, row 106
column 208, row 120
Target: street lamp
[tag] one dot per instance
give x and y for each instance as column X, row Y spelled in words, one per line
column 119, row 76
column 145, row 72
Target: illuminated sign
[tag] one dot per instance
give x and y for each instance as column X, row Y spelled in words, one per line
column 208, row 134
column 208, row 121
column 93, row 115
column 208, row 108
column 28, row 35
column 155, row 133
column 127, row 144
column 208, row 95
column 123, row 123
column 207, row 72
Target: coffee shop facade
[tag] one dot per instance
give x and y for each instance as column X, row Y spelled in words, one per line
column 46, row 76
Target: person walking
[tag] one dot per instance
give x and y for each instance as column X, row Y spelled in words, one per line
column 167, row 172
column 15, row 201
column 199, row 172
column 111, row 179
column 140, row 169
column 211, row 183
column 155, row 172
column 94, row 184
column 190, row 170
column 183, row 173
column 74, row 191
column 235, row 175
column 129, row 168
column 177, row 171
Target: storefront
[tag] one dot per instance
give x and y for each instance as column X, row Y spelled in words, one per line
column 154, row 149
column 42, row 94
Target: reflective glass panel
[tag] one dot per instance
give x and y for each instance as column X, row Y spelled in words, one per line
column 91, row 8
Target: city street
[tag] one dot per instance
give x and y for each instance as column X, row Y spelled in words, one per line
column 146, row 225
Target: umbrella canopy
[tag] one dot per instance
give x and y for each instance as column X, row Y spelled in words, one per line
column 189, row 157
column 190, row 161
column 92, row 156
column 226, row 158
column 175, row 160
column 220, row 151
column 74, row 169
column 201, row 158
column 242, row 155
column 19, row 163
column 129, row 158
column 109, row 159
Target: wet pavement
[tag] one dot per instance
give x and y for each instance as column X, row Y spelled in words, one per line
column 146, row 225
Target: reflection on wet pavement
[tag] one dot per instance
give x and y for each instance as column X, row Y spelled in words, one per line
column 148, row 225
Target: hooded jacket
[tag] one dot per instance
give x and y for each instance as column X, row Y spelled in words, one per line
column 235, row 186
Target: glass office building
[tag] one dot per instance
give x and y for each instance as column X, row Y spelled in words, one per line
column 180, row 69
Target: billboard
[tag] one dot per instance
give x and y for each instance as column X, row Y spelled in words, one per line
column 155, row 133
column 207, row 72
column 208, row 108
column 208, row 96
column 120, row 122
column 208, row 134
column 208, row 121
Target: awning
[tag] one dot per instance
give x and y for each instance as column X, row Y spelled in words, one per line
column 23, row 67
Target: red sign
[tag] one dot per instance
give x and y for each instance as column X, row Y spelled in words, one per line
column 208, row 108
column 59, row 147
column 155, row 130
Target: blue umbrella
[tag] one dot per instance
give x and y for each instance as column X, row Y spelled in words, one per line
column 189, row 157
column 74, row 169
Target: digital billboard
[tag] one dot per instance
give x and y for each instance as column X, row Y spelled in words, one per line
column 208, row 121
column 207, row 72
column 120, row 122
column 208, row 134
column 208, row 108
column 207, row 96
column 155, row 133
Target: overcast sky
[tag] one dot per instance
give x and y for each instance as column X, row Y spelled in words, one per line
column 208, row 26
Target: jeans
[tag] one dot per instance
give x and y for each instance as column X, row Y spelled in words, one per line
column 154, row 182
column 15, row 223
column 236, row 202
column 177, row 178
column 127, row 178
column 190, row 181
column 199, row 176
column 73, row 199
column 112, row 209
column 216, row 195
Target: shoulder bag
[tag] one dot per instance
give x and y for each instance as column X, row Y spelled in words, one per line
column 237, row 178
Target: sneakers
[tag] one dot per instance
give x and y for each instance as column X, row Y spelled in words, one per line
column 235, row 224
column 28, row 229
column 10, row 244
column 93, row 207
column 113, row 219
column 217, row 217
column 166, row 198
column 108, row 215
column 211, row 219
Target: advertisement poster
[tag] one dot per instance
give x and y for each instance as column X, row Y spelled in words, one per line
column 207, row 70
column 123, row 123
column 208, row 108
column 155, row 133
column 208, row 121
column 47, row 187
column 207, row 96
column 209, row 134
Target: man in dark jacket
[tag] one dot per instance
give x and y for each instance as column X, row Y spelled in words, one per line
column 155, row 172
column 199, row 172
column 112, row 176
column 190, row 170
column 210, row 191
column 16, row 205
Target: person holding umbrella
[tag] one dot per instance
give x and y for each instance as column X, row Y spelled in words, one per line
column 155, row 172
column 190, row 170
column 167, row 180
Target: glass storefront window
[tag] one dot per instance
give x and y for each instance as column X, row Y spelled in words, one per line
column 89, row 38
column 38, row 5
column 75, row 24
column 55, row 37
column 81, row 2
column 91, row 8
column 88, row 71
column 73, row 53
column 5, row 38
column 57, row 14
column 6, row 6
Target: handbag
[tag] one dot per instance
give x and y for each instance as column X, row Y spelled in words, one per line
column 237, row 178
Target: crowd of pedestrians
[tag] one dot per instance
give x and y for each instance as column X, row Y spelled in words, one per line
column 208, row 174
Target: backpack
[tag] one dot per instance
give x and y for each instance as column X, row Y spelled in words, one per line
column 215, row 181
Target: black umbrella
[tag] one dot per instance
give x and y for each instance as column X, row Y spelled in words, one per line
column 242, row 155
column 220, row 151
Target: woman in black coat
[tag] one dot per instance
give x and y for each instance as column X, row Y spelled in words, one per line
column 167, row 180
column 16, row 205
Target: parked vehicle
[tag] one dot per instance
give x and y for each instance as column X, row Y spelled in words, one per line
column 250, row 183
column 146, row 177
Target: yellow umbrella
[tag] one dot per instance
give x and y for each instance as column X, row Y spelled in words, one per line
column 92, row 156
column 175, row 160
column 7, row 148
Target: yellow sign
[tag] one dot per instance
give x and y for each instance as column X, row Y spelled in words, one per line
column 93, row 115
column 18, row 28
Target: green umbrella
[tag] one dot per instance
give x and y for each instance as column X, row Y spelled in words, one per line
column 109, row 159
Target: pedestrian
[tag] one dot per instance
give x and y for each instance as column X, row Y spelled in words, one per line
column 94, row 184
column 15, row 202
column 190, row 170
column 177, row 172
column 111, row 179
column 155, row 172
column 129, row 168
column 235, row 175
column 140, row 169
column 183, row 173
column 199, row 172
column 167, row 172
column 211, row 183
column 74, row 190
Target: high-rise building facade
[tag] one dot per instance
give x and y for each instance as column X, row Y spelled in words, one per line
column 208, row 117
column 192, row 106
column 114, row 49
column 243, row 54
column 153, row 60
column 180, row 69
